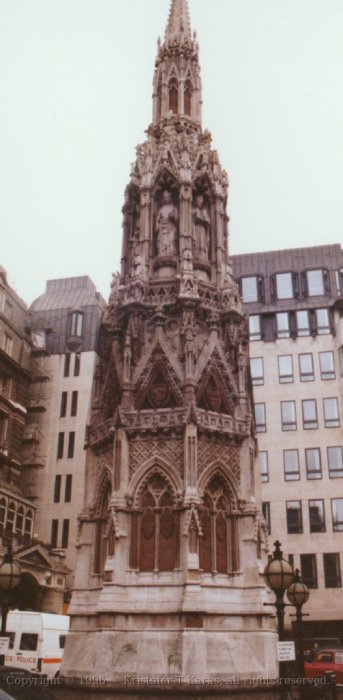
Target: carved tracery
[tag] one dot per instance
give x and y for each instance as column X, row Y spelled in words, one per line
column 219, row 552
column 155, row 528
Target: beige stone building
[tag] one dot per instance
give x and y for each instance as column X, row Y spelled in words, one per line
column 65, row 326
column 295, row 300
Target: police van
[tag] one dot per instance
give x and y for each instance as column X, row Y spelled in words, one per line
column 36, row 641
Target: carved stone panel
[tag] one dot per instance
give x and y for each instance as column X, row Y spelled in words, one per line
column 221, row 450
column 142, row 450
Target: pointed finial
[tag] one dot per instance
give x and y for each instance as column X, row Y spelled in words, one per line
column 179, row 25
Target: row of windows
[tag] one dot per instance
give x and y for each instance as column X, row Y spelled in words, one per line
column 60, row 445
column 55, row 534
column 313, row 463
column 64, row 404
column 6, row 307
column 290, row 324
column 289, row 285
column 294, row 517
column 15, row 517
column 67, row 488
column 331, row 567
column 309, row 415
column 67, row 364
column 286, row 368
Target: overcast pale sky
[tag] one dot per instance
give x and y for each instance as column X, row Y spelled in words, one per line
column 75, row 99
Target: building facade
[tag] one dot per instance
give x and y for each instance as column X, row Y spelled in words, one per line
column 65, row 326
column 171, row 547
column 295, row 301
column 43, row 579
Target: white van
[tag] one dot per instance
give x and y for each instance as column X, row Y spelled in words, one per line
column 36, row 641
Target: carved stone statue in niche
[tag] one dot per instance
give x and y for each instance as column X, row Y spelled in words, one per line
column 167, row 226
column 201, row 228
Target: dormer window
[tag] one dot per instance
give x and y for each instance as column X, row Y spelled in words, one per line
column 316, row 283
column 252, row 289
column 76, row 323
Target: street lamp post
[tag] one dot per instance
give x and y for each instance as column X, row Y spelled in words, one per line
column 278, row 575
column 298, row 594
column 10, row 574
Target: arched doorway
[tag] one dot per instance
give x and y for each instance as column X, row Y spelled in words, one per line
column 26, row 596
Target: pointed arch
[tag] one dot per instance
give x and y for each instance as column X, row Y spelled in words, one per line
column 154, row 466
column 103, row 496
column 155, row 523
column 219, row 544
column 173, row 91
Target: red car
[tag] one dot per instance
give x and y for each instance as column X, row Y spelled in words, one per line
column 325, row 660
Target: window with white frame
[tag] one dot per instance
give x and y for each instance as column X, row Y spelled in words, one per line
column 263, row 462
column 288, row 415
column 7, row 344
column 256, row 370
column 313, row 463
column 327, row 365
column 282, row 325
column 337, row 514
column 285, row 364
column 255, row 327
column 251, row 289
column 306, row 369
column 331, row 413
column 76, row 323
column 310, row 418
column 335, row 461
column 317, row 282
column 260, row 417
column 291, row 465
column 303, row 323
column 323, row 321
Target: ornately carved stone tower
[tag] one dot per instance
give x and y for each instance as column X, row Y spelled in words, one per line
column 168, row 578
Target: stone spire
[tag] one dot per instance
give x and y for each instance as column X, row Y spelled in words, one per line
column 179, row 25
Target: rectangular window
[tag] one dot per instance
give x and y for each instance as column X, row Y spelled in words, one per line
column 77, row 365
column 65, row 534
column 73, row 410
column 284, row 285
column 306, row 370
column 54, row 533
column 282, row 325
column 291, row 465
column 250, row 289
column 331, row 414
column 317, row 516
column 285, row 363
column 288, row 415
column 8, row 308
column 263, row 461
column 335, row 461
column 339, row 281
column 60, row 445
column 67, row 490
column 266, row 515
column 5, row 385
column 260, row 417
column 76, row 323
column 308, row 565
column 340, row 360
column 63, row 410
column 315, row 283
column 310, row 418
column 57, row 488
column 255, row 327
column 294, row 517
column 327, row 365
column 256, row 370
column 7, row 344
column 71, row 445
column 323, row 321
column 337, row 514
column 332, row 571
column 303, row 323
column 3, row 428
column 66, row 364
column 313, row 463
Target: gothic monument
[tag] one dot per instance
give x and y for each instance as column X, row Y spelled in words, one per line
column 171, row 538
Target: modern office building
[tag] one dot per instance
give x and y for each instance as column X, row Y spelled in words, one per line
column 294, row 299
column 65, row 326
